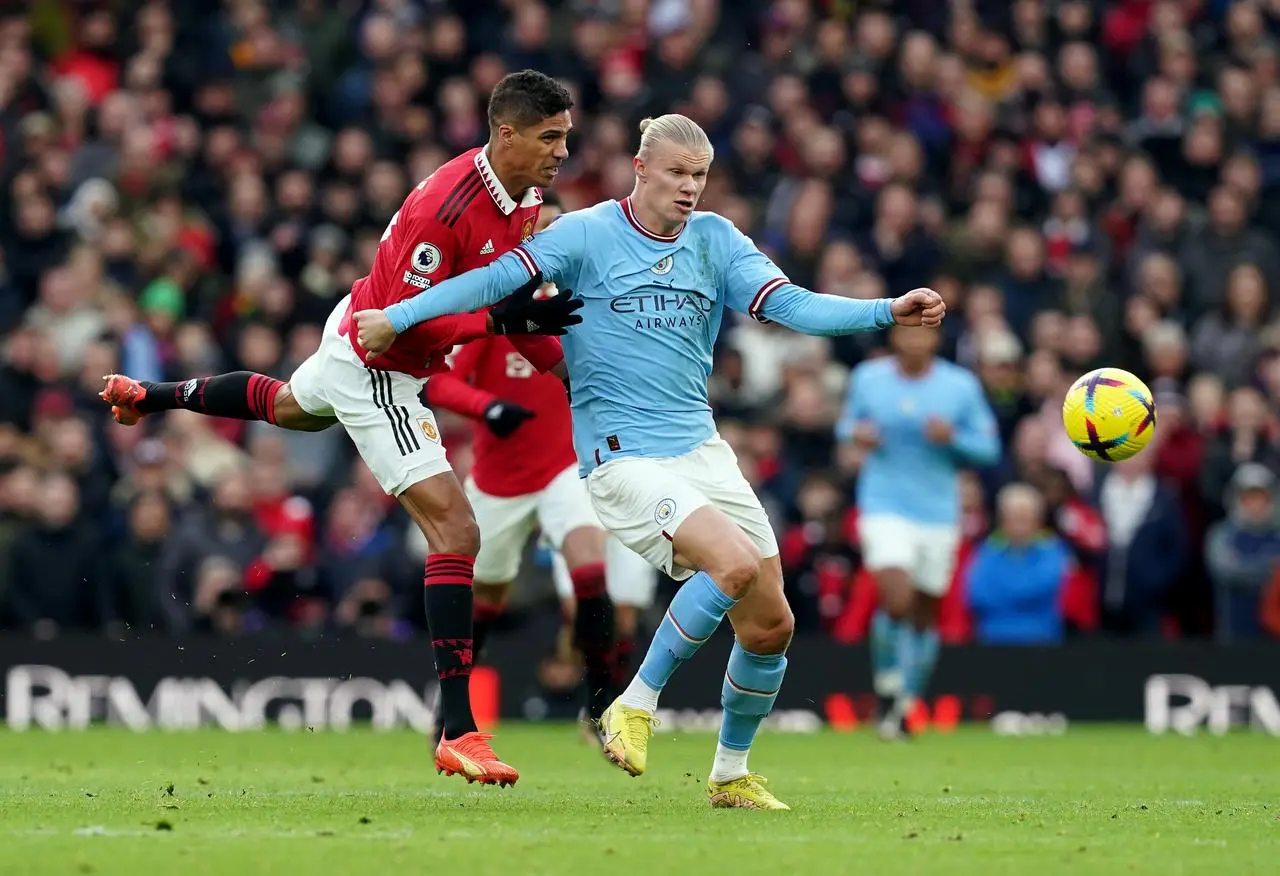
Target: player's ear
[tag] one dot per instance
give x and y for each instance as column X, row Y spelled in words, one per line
column 638, row 163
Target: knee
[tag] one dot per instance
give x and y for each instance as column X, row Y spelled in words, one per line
column 737, row 570
column 583, row 546
column 288, row 414
column 897, row 597
column 770, row 634
column 459, row 536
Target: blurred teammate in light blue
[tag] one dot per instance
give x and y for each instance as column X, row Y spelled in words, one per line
column 914, row 422
column 655, row 278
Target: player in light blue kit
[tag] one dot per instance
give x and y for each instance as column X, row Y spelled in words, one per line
column 915, row 422
column 655, row 278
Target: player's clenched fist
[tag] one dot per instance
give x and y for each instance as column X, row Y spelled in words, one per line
column 919, row 307
column 374, row 332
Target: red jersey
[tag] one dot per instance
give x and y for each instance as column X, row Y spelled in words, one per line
column 457, row 219
column 529, row 458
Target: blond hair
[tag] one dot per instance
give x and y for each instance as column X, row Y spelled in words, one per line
column 676, row 129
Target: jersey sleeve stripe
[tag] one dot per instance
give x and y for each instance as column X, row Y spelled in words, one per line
column 462, row 203
column 527, row 261
column 757, row 303
column 468, row 181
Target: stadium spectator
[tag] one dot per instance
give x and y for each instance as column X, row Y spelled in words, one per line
column 1146, row 547
column 1243, row 552
column 1016, row 578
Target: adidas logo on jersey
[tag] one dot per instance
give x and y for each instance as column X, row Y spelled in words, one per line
column 487, row 248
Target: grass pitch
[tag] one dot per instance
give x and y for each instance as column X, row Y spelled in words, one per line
column 1097, row 800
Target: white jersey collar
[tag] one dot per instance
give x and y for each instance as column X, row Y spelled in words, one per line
column 531, row 197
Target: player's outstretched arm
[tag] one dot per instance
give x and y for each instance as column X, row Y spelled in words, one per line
column 519, row 314
column 756, row 286
column 555, row 253
column 813, row 313
column 462, row 294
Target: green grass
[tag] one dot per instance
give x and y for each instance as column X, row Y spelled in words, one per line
column 1097, row 800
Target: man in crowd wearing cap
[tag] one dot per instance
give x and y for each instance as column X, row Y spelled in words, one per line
column 1242, row 552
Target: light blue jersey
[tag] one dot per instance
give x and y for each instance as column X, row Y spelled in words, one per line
column 908, row 475
column 653, row 305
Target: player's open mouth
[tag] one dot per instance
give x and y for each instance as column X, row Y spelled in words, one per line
column 685, row 206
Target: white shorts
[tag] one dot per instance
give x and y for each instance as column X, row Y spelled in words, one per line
column 382, row 411
column 926, row 552
column 643, row 501
column 506, row 522
column 628, row 576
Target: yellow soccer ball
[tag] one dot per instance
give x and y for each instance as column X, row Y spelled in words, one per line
column 1109, row 414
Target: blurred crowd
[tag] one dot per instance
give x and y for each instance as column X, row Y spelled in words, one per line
column 189, row 187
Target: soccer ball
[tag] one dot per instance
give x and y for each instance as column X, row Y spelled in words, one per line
column 1109, row 414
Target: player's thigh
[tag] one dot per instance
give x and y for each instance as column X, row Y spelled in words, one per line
column 714, row 468
column 394, row 432
column 505, row 522
column 643, row 503
column 887, row 542
column 762, row 619
column 568, row 521
column 630, row 578
column 936, row 547
column 309, row 383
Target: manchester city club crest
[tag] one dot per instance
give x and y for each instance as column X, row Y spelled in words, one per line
column 664, row 266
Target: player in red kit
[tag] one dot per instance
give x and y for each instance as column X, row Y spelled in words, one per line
column 461, row 217
column 524, row 476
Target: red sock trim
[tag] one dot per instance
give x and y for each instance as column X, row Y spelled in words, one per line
column 260, row 395
column 588, row 581
column 487, row 611
column 456, row 569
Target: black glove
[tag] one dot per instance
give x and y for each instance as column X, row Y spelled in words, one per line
column 522, row 314
column 503, row 417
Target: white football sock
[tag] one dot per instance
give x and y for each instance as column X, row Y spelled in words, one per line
column 729, row 764
column 639, row 695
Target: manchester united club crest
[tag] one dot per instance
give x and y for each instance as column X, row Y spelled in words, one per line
column 429, row 429
column 526, row 231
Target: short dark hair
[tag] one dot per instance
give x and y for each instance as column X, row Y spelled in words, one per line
column 526, row 98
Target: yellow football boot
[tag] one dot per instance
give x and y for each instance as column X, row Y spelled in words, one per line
column 747, row 792
column 624, row 736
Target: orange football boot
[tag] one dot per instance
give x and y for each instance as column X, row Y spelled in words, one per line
column 123, row 394
column 471, row 757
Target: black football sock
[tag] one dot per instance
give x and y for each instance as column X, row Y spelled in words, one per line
column 623, row 648
column 486, row 614
column 593, row 635
column 448, row 600
column 240, row 395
